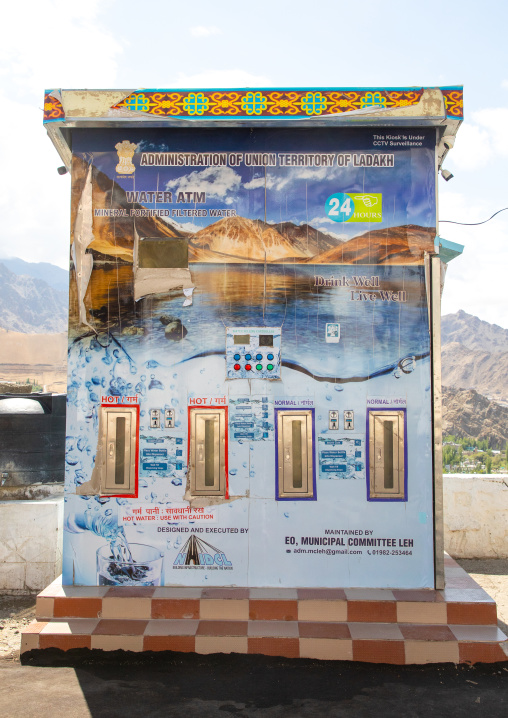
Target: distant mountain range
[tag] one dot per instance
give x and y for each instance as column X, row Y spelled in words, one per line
column 28, row 304
column 475, row 378
column 473, row 333
column 56, row 277
column 475, row 355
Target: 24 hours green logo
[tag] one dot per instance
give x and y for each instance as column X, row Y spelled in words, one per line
column 355, row 207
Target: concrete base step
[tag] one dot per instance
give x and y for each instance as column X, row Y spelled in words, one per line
column 458, row 624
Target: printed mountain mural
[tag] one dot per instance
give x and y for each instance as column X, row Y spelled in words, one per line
column 392, row 245
column 239, row 239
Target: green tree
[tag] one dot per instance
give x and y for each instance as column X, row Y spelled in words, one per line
column 488, row 464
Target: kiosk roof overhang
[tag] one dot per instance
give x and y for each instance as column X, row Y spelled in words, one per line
column 64, row 110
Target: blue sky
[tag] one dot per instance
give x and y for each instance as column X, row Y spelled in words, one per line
column 277, row 43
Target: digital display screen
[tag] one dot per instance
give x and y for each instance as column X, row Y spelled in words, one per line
column 266, row 340
column 241, row 338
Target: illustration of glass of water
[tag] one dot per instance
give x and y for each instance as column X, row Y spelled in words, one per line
column 144, row 567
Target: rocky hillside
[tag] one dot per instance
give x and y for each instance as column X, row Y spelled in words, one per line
column 468, row 413
column 475, row 355
column 475, row 378
column 485, row 371
column 473, row 333
column 28, row 304
column 56, row 277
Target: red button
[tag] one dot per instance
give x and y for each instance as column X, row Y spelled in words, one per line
column 237, row 367
column 248, row 367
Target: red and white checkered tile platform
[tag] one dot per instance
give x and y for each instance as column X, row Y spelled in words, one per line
column 458, row 624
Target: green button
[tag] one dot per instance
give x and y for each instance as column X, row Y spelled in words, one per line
column 259, row 367
column 270, row 367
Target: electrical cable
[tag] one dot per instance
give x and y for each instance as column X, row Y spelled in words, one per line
column 473, row 224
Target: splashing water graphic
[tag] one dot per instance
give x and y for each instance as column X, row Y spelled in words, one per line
column 155, row 383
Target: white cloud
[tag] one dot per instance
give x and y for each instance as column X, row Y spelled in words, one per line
column 190, row 227
column 273, row 182
column 475, row 281
column 34, row 199
column 321, row 220
column 35, row 53
column 217, row 182
column 44, row 45
column 480, row 141
column 313, row 173
column 495, row 121
column 258, row 182
column 202, row 31
column 472, row 149
column 220, row 78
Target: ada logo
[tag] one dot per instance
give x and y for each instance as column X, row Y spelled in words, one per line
column 125, row 151
column 354, row 207
column 196, row 553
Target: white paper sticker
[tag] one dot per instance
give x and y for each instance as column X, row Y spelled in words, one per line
column 332, row 333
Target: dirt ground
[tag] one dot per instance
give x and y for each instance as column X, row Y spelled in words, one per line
column 18, row 611
column 492, row 575
column 39, row 357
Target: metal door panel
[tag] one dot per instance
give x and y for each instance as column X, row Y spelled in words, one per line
column 295, row 454
column 386, row 454
column 208, row 452
column 119, row 436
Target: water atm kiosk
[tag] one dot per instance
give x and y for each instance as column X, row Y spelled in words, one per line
column 253, row 366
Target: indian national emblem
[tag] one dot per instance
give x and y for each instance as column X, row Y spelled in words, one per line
column 125, row 151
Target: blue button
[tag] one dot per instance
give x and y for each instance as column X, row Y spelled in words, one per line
column 237, row 357
column 259, row 357
column 248, row 357
column 269, row 356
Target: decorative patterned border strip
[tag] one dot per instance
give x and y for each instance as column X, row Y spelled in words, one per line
column 53, row 109
column 265, row 103
column 454, row 102
column 259, row 103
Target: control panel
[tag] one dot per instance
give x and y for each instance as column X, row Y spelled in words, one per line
column 162, row 418
column 253, row 353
